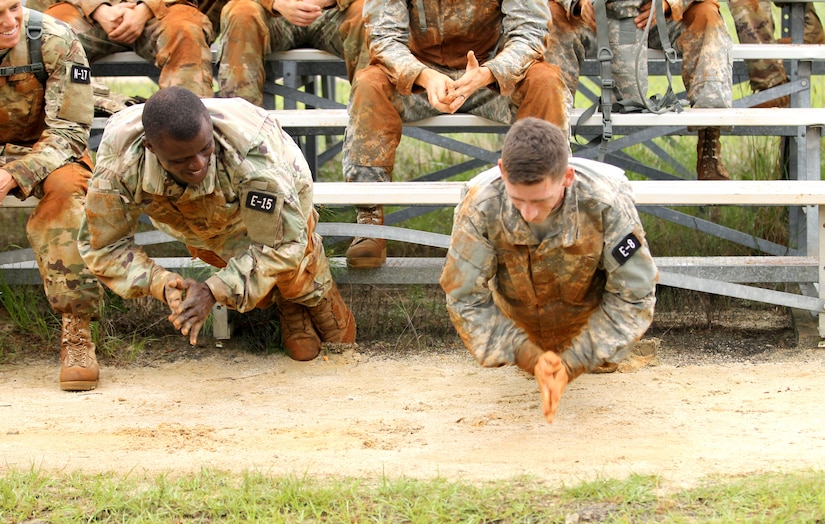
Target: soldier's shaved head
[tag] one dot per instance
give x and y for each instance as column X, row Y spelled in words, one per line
column 174, row 112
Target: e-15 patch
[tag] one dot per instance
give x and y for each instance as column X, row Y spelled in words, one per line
column 261, row 201
column 626, row 248
column 81, row 74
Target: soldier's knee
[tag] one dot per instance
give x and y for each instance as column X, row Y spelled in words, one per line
column 241, row 13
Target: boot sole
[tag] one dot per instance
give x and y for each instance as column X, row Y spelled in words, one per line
column 78, row 385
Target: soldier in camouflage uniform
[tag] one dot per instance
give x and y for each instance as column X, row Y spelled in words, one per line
column 252, row 29
column 548, row 267
column 753, row 20
column 172, row 34
column 44, row 131
column 698, row 32
column 435, row 57
column 221, row 176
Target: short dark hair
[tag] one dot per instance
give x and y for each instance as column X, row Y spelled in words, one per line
column 175, row 112
column 534, row 150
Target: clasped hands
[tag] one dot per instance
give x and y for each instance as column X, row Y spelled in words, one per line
column 123, row 22
column 448, row 95
column 552, row 378
column 190, row 302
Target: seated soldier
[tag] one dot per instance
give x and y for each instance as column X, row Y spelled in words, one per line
column 221, row 176
column 698, row 32
column 252, row 29
column 172, row 34
column 46, row 117
column 754, row 25
column 481, row 59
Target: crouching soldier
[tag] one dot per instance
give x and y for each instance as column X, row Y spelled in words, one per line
column 45, row 118
column 221, row 176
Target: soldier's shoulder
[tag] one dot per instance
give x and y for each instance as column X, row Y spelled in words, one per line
column 599, row 181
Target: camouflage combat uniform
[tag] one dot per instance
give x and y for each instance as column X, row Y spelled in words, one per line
column 252, row 216
column 250, row 31
column 43, row 137
column 507, row 36
column 697, row 32
column 753, row 20
column 176, row 39
column 585, row 291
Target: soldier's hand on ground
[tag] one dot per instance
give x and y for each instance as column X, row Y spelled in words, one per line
column 437, row 86
column 551, row 376
column 190, row 315
column 588, row 13
column 132, row 24
column 7, row 183
column 298, row 12
column 474, row 78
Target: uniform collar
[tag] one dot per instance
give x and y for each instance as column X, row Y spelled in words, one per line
column 157, row 181
column 518, row 232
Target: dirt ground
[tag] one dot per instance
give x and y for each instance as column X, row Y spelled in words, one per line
column 721, row 401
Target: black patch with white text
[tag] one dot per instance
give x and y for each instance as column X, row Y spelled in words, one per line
column 626, row 248
column 81, row 74
column 261, row 201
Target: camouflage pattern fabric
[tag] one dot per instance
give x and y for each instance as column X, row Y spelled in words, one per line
column 509, row 37
column 108, row 103
column 754, row 24
column 264, row 255
column 250, row 32
column 43, row 142
column 176, row 40
column 568, row 292
column 697, row 32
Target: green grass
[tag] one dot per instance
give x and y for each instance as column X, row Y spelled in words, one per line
column 213, row 496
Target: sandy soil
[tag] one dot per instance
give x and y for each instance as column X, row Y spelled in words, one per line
column 372, row 413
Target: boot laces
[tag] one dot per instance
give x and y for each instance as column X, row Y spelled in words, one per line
column 74, row 340
column 294, row 315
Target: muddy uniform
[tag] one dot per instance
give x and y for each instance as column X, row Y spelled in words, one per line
column 176, row 39
column 250, row 30
column 753, row 20
column 585, row 290
column 43, row 136
column 696, row 30
column 507, row 36
column 252, row 216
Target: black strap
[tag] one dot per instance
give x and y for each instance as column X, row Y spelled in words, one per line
column 33, row 33
column 669, row 101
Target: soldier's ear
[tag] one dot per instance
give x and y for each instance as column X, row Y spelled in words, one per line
column 148, row 145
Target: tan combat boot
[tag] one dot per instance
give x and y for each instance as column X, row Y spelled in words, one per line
column 368, row 252
column 709, row 155
column 299, row 338
column 333, row 319
column 79, row 370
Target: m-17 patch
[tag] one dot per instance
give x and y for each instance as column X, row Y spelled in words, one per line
column 81, row 74
column 261, row 201
column 626, row 248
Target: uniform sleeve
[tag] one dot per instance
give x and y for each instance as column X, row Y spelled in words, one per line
column 68, row 113
column 106, row 239
column 525, row 39
column 390, row 42
column 627, row 305
column 276, row 207
column 491, row 337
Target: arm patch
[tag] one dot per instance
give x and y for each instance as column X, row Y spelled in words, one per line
column 81, row 74
column 259, row 201
column 626, row 248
